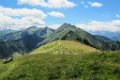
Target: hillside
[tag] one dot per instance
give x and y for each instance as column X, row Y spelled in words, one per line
column 76, row 61
column 6, row 31
column 64, row 46
column 71, row 32
column 59, row 39
column 22, row 41
column 94, row 66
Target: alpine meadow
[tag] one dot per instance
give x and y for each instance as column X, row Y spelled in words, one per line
column 59, row 40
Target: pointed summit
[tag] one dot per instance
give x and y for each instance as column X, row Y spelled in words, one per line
column 66, row 26
column 32, row 29
column 47, row 27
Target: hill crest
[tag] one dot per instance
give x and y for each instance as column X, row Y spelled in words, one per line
column 64, row 46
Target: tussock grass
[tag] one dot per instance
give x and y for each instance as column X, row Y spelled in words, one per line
column 77, row 65
column 94, row 66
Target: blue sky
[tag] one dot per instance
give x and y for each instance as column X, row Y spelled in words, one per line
column 82, row 13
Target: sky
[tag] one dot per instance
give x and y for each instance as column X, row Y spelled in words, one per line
column 90, row 15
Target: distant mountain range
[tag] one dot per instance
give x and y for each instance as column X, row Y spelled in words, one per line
column 5, row 31
column 29, row 39
column 23, row 41
column 110, row 35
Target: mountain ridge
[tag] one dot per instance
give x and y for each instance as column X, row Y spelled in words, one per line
column 22, row 41
column 33, row 37
column 64, row 46
column 111, row 35
column 82, row 36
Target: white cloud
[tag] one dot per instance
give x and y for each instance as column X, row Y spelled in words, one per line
column 49, row 3
column 116, row 23
column 101, row 26
column 21, row 18
column 95, row 4
column 56, row 14
column 117, row 15
column 91, row 4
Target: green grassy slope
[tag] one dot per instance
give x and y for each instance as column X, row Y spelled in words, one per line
column 94, row 66
column 76, row 62
column 64, row 46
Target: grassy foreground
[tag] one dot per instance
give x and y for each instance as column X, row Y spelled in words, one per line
column 102, row 66
column 82, row 66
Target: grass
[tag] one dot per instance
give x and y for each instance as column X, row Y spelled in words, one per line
column 51, row 66
column 103, row 66
column 64, row 47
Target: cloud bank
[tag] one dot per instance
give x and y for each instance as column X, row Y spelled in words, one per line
column 21, row 18
column 48, row 3
column 112, row 26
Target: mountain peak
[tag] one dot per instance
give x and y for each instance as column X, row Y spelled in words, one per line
column 67, row 25
column 46, row 27
column 33, row 27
